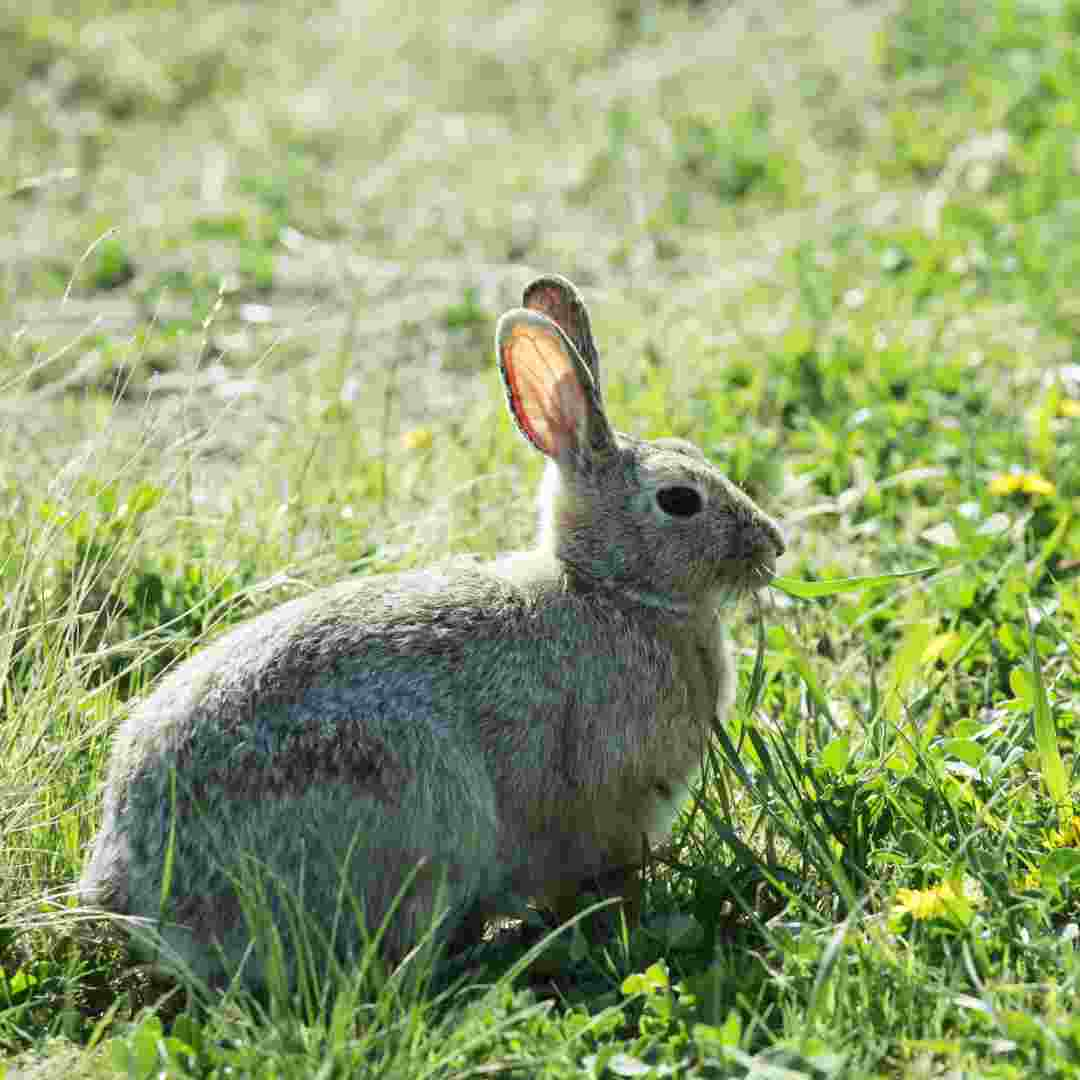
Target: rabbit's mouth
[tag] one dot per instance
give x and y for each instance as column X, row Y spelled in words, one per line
column 760, row 572
column 743, row 577
column 755, row 547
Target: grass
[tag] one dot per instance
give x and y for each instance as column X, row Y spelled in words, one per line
column 251, row 260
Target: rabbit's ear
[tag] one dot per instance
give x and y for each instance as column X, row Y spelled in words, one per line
column 560, row 301
column 550, row 391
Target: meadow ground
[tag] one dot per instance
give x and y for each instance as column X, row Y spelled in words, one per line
column 251, row 256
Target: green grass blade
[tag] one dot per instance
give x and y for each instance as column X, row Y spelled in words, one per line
column 170, row 851
column 1049, row 548
column 757, row 679
column 1051, row 764
column 806, row 673
column 906, row 667
column 809, row 590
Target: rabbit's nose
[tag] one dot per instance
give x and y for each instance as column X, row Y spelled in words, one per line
column 775, row 536
column 760, row 538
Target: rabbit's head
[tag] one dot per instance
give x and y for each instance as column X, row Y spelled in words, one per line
column 653, row 521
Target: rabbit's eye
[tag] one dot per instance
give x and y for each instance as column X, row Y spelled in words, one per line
column 679, row 501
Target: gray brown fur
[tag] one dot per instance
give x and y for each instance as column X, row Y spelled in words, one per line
column 514, row 727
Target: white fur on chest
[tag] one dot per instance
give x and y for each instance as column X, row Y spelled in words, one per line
column 663, row 807
column 670, row 793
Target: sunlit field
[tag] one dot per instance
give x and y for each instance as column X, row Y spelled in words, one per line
column 251, row 260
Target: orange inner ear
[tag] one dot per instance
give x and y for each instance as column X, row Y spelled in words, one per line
column 545, row 393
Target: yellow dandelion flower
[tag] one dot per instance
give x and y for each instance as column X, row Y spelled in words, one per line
column 1029, row 483
column 1030, row 882
column 1069, row 407
column 945, row 899
column 1067, row 836
column 418, row 439
column 1004, row 483
column 918, row 903
column 1034, row 484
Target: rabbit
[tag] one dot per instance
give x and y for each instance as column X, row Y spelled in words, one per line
column 444, row 744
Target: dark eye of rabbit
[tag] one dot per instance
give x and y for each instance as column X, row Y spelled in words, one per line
column 679, row 501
